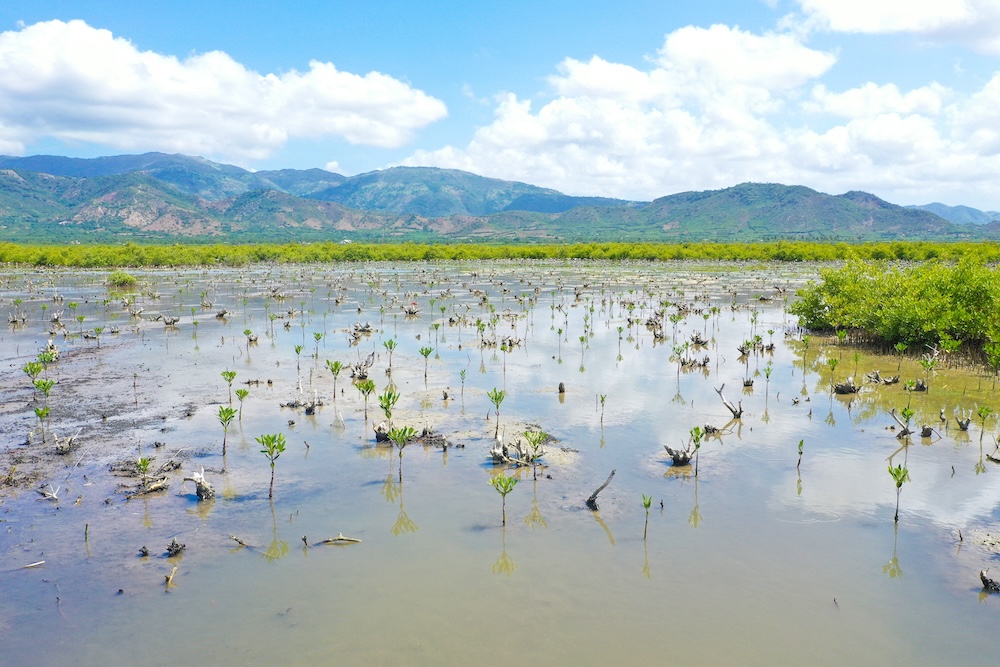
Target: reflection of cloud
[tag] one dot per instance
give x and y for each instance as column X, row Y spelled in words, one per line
column 857, row 482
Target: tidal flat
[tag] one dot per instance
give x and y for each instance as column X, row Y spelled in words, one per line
column 765, row 556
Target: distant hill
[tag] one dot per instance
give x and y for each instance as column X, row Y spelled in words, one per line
column 960, row 215
column 435, row 192
column 156, row 196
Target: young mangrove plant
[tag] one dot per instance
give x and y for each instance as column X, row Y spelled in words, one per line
column 387, row 401
column 983, row 413
column 401, row 438
column 647, row 501
column 426, row 352
column 335, row 368
column 241, row 394
column 696, row 436
column 801, row 449
column 273, row 445
column 229, row 376
column 899, row 475
column 503, row 484
column 366, row 387
column 496, row 397
column 225, row 415
column 389, row 346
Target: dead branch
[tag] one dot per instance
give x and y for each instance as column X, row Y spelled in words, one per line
column 906, row 430
column 989, row 585
column 170, row 577
column 737, row 411
column 592, row 500
column 339, row 539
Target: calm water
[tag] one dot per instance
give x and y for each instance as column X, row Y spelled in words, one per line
column 751, row 562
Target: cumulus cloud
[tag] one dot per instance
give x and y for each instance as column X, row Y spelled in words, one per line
column 696, row 117
column 76, row 83
column 718, row 106
column 975, row 23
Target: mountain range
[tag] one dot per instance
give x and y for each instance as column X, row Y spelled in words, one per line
column 161, row 197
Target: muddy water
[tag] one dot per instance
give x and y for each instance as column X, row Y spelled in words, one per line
column 751, row 562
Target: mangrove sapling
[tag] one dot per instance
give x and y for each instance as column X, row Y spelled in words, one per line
column 335, row 368
column 647, row 501
column 401, row 438
column 389, row 346
column 366, row 387
column 900, row 348
column 387, row 401
column 603, row 397
column 225, row 416
column 317, row 336
column 983, row 412
column 241, row 394
column 503, row 484
column 273, row 445
column 833, row 362
column 298, row 358
column 801, row 449
column 696, row 436
column 461, row 374
column 426, row 352
column 97, row 334
column 496, row 397
column 142, row 465
column 899, row 475
column 229, row 376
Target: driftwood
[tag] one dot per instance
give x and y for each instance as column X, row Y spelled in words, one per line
column 518, row 453
column 905, row 429
column 736, row 410
column 927, row 431
column 592, row 500
column 989, row 585
column 681, row 457
column 848, row 387
column 148, row 486
column 359, row 371
column 175, row 547
column 203, row 488
column 876, row 378
column 963, row 424
column 339, row 539
column 170, row 577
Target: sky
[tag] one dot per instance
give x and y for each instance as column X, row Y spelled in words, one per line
column 635, row 99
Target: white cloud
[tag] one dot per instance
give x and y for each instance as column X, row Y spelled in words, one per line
column 975, row 23
column 695, row 118
column 719, row 106
column 75, row 83
column 871, row 100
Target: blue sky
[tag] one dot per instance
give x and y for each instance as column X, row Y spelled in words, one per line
column 634, row 99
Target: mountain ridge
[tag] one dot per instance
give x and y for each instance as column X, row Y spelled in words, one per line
column 158, row 196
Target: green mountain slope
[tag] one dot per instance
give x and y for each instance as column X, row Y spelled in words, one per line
column 433, row 192
column 164, row 199
column 960, row 215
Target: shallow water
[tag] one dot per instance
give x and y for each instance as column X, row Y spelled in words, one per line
column 752, row 562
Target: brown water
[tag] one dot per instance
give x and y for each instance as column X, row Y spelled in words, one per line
column 751, row 562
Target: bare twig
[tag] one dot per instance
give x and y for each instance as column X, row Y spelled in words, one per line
column 592, row 500
column 737, row 411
